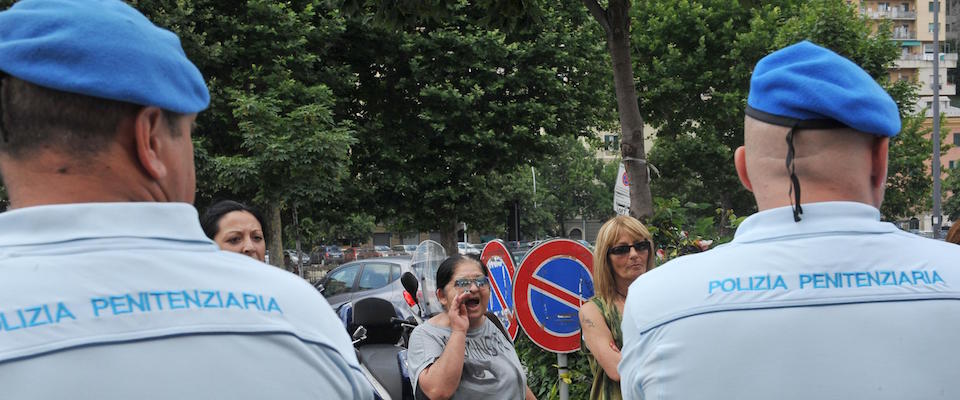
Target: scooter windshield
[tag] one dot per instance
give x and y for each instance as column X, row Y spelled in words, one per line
column 425, row 262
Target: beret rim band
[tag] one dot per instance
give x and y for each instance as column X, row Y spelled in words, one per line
column 780, row 120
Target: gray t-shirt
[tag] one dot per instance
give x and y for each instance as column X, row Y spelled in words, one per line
column 490, row 366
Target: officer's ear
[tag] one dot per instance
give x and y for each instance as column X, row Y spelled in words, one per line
column 148, row 128
column 740, row 162
column 879, row 153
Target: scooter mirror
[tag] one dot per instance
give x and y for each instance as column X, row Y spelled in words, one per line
column 410, row 284
column 359, row 334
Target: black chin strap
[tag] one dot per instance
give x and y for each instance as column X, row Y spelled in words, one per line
column 794, row 192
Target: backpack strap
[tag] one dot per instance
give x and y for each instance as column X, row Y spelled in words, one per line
column 496, row 321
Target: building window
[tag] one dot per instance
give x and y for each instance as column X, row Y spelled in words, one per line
column 956, row 139
column 611, row 142
column 930, row 6
column 930, row 27
column 904, row 7
column 951, row 164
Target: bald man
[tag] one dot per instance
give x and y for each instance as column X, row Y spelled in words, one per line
column 109, row 288
column 815, row 298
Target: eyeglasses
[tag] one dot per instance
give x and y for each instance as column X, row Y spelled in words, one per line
column 465, row 283
column 625, row 249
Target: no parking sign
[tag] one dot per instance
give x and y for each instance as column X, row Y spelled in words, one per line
column 501, row 270
column 554, row 279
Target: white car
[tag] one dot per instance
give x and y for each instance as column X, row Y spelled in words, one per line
column 465, row 248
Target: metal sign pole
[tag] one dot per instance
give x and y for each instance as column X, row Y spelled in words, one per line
column 935, row 135
column 562, row 368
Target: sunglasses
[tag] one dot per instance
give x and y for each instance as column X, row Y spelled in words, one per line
column 625, row 249
column 465, row 283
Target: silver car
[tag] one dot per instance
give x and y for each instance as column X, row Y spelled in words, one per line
column 372, row 277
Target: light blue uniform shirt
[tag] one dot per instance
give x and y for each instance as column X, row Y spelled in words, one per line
column 837, row 306
column 132, row 301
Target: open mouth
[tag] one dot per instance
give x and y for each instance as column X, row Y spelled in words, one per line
column 471, row 303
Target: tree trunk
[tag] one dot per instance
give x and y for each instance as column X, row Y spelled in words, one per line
column 563, row 225
column 275, row 237
column 615, row 21
column 296, row 228
column 448, row 237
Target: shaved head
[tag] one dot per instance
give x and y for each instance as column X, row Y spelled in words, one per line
column 832, row 164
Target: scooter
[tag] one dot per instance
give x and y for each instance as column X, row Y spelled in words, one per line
column 380, row 339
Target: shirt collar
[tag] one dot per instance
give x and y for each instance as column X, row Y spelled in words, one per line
column 818, row 218
column 66, row 222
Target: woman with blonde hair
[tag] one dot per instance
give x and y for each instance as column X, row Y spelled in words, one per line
column 624, row 251
column 953, row 235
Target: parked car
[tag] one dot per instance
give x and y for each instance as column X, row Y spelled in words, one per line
column 331, row 254
column 405, row 249
column 350, row 254
column 467, row 249
column 292, row 258
column 358, row 253
column 383, row 251
column 518, row 250
column 375, row 277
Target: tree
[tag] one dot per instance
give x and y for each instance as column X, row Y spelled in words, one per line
column 570, row 180
column 694, row 72
column 615, row 20
column 951, row 203
column 444, row 108
column 697, row 168
column 909, row 185
column 270, row 135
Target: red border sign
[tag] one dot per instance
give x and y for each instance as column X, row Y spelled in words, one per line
column 527, row 281
column 496, row 248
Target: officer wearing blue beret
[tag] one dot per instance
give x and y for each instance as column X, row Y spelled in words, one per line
column 814, row 298
column 109, row 288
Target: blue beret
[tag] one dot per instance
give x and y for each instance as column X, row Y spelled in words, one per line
column 811, row 87
column 99, row 48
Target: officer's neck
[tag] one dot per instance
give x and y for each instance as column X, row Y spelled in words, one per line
column 48, row 178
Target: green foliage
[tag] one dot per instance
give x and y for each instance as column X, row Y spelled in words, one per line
column 543, row 375
column 443, row 111
column 699, row 169
column 951, row 187
column 569, row 184
column 909, row 186
column 681, row 228
column 495, row 14
column 270, row 136
column 683, row 65
column 694, row 71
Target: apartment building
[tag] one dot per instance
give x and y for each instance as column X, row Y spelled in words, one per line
column 913, row 30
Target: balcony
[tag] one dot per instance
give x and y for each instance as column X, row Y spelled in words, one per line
column 947, row 60
column 891, row 13
column 903, row 34
column 946, row 89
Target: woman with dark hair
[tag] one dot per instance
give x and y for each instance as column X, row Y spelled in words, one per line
column 235, row 227
column 624, row 252
column 460, row 353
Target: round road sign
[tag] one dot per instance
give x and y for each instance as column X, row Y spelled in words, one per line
column 554, row 279
column 496, row 258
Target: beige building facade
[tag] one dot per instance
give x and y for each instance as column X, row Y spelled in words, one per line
column 912, row 23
